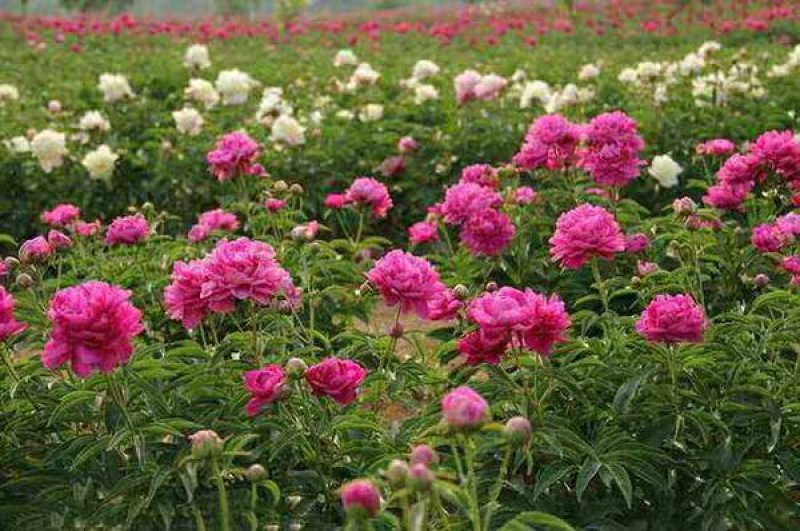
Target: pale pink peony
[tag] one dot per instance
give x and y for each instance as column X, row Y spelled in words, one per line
column 62, row 215
column 612, row 149
column 35, row 250
column 336, row 378
column 392, row 166
column 265, row 385
column 361, row 495
column 336, row 200
column 9, row 326
column 58, row 240
column 645, row 268
column 673, row 319
column 369, row 192
column 791, row 264
column 465, row 200
column 423, row 232
column 487, row 233
column 524, row 195
column 789, row 224
column 717, row 147
column 480, row 174
column 683, row 205
column 235, row 154
column 465, row 84
column 551, row 142
column 583, row 233
column 464, row 408
column 489, row 87
column 636, row 243
column 93, row 327
column 213, row 221
column 423, row 454
column 407, row 280
column 407, row 144
column 128, row 230
column 86, row 229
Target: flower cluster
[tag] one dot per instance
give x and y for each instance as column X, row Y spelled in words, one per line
column 235, row 154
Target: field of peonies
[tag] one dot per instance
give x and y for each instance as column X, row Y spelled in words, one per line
column 493, row 267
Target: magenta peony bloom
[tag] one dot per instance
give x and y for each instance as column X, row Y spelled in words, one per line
column 464, row 200
column 422, row 454
column 717, row 147
column 58, row 240
column 487, row 233
column 612, row 149
column 480, row 174
column 93, row 327
column 9, row 326
column 85, row 229
column 405, row 279
column 791, row 264
column 392, row 166
column 551, row 142
column 478, row 348
column 212, row 221
column 62, row 215
column 423, row 232
column 524, row 195
column 266, row 385
column 583, row 233
column 234, row 155
column 35, row 250
column 645, row 268
column 361, row 495
column 636, row 243
column 464, row 408
column 369, row 192
column 769, row 238
column 789, row 224
column 683, row 205
column 182, row 297
column 337, row 379
column 407, row 144
column 336, row 200
column 242, row 269
column 128, row 230
column 274, row 205
column 443, row 306
column 673, row 319
column 740, row 171
column 780, row 152
column 727, row 197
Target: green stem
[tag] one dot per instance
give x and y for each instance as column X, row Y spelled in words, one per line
column 361, row 216
column 224, row 513
column 472, row 483
column 118, row 396
column 497, row 488
column 9, row 363
column 600, row 284
column 198, row 518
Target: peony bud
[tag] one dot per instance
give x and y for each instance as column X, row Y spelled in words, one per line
column 11, row 262
column 420, row 477
column 518, row 430
column 280, row 186
column 424, row 454
column 491, row 286
column 296, row 189
column 463, row 408
column 460, row 292
column 761, row 280
column 24, row 280
column 296, row 367
column 206, row 443
column 361, row 495
column 255, row 473
column 396, row 331
column 396, row 472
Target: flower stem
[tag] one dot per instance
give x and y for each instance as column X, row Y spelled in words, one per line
column 224, row 513
column 472, row 482
column 497, row 488
column 600, row 284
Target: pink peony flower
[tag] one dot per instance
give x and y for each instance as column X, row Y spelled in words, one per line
column 128, row 230
column 489, row 87
column 407, row 280
column 274, row 205
column 235, row 154
column 35, row 250
column 182, row 297
column 336, row 200
column 443, row 306
column 683, row 205
column 464, row 408
column 58, row 240
column 612, row 149
column 93, row 327
column 480, row 174
column 361, row 495
column 465, row 84
column 636, row 243
column 212, row 221
column 266, row 385
column 780, row 152
column 366, row 191
column 478, row 348
column 407, row 144
column 423, row 232
column 464, row 200
column 769, row 238
column 9, row 326
column 85, row 229
column 645, row 268
column 524, row 195
column 673, row 319
column 62, row 215
column 740, row 171
column 717, row 147
column 791, row 264
column 551, row 142
column 336, row 378
column 487, row 233
column 583, row 233
column 306, row 231
column 242, row 269
column 726, row 197
column 789, row 224
column 422, row 454
column 392, row 166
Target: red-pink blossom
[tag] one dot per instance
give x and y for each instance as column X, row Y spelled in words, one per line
column 524, row 195
column 791, row 264
column 551, row 142
column 182, row 297
column 361, row 495
column 673, row 319
column 274, row 204
column 62, row 215
column 58, row 240
column 636, row 243
column 35, row 250
column 371, row 193
column 487, row 233
column 9, row 326
column 423, row 232
column 336, row 378
column 718, row 147
column 265, row 385
column 465, row 200
column 235, row 154
column 407, row 144
column 407, row 280
column 464, row 408
column 128, row 230
column 612, row 149
column 769, row 238
column 336, row 200
column 480, row 348
column 583, row 233
column 480, row 174
column 86, row 229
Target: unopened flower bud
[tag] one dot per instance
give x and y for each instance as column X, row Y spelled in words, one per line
column 460, row 292
column 396, row 472
column 24, row 280
column 314, row 247
column 396, row 331
column 424, row 454
column 518, row 429
column 54, row 106
column 11, row 262
column 761, row 280
column 295, row 367
column 296, row 189
column 280, row 186
column 420, row 477
column 255, row 473
column 491, row 286
column 205, row 443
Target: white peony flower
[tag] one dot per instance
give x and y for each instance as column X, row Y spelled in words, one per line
column 779, row 71
column 424, row 68
column 201, row 91
column 272, row 103
column 519, row 76
column 100, row 162
column 188, row 121
column 588, row 72
column 660, row 95
column 424, row 92
column 18, row 144
column 8, row 93
column 345, row 58
column 708, row 47
column 371, row 112
column 234, row 86
column 665, row 170
column 628, row 75
column 49, row 147
column 345, row 114
column 648, row 70
column 364, row 75
column 114, row 87
column 287, row 130
column 197, row 57
column 535, row 90
column 94, row 120
column 692, row 64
